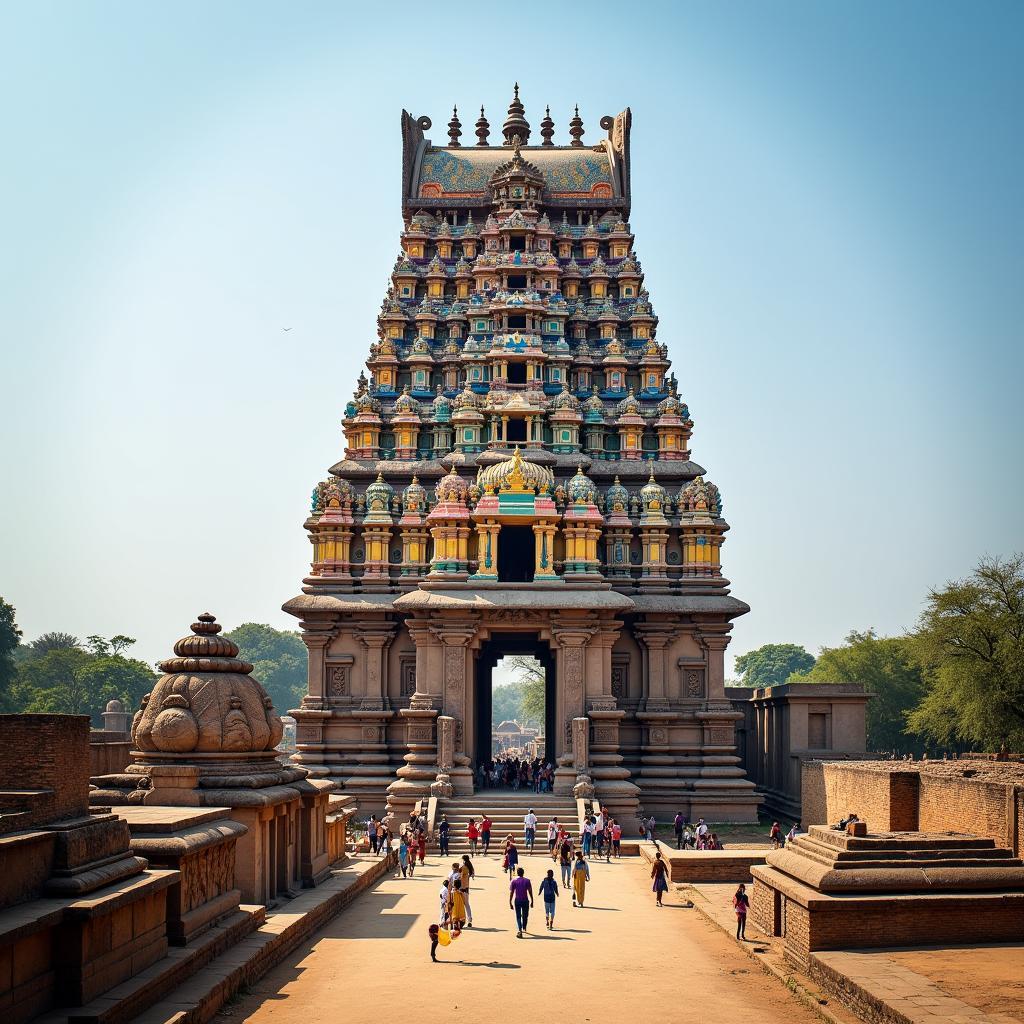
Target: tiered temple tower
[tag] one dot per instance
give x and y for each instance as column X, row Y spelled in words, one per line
column 517, row 477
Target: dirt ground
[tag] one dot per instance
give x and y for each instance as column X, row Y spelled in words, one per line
column 620, row 948
column 990, row 978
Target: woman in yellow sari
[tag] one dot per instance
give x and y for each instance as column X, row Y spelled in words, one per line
column 456, row 906
column 580, row 877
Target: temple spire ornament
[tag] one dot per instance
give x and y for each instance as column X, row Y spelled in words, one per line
column 454, row 129
column 547, row 128
column 576, row 128
column 483, row 129
column 516, row 123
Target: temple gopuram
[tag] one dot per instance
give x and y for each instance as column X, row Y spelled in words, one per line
column 517, row 479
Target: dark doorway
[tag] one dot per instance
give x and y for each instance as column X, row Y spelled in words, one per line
column 517, row 322
column 517, row 280
column 491, row 653
column 517, row 373
column 517, row 243
column 515, row 554
column 515, row 430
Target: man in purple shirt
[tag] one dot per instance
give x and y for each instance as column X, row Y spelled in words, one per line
column 520, row 896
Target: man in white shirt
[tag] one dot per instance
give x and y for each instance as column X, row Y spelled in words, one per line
column 552, row 833
column 530, row 829
column 599, row 832
column 702, row 833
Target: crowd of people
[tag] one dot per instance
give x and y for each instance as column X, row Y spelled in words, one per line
column 511, row 772
column 571, row 851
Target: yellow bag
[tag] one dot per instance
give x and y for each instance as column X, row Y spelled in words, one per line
column 444, row 937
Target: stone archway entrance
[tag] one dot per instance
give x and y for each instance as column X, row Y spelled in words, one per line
column 490, row 653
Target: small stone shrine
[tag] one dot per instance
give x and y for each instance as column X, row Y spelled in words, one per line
column 206, row 737
column 854, row 890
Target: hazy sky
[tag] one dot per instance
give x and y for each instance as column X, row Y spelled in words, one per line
column 828, row 206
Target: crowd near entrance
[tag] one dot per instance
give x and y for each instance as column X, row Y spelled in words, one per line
column 515, row 701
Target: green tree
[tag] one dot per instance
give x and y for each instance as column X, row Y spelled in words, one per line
column 506, row 703
column 278, row 659
column 531, row 680
column 970, row 641
column 72, row 681
column 772, row 664
column 54, row 642
column 10, row 638
column 888, row 670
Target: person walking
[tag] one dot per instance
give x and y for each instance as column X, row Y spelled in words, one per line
column 511, row 861
column 403, row 855
column 552, row 833
column 565, row 861
column 443, row 901
column 371, row 832
column 775, row 835
column 659, row 872
column 421, row 841
column 649, row 826
column 466, row 876
column 580, row 877
column 792, row 833
column 600, row 824
column 549, row 894
column 617, row 839
column 473, row 835
column 457, row 909
column 588, row 835
column 433, row 931
column 741, row 903
column 485, row 833
column 701, row 833
column 609, row 831
column 679, row 823
column 530, row 829
column 413, row 844
column 444, row 833
column 520, row 899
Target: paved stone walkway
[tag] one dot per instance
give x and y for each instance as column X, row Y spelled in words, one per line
column 620, row 948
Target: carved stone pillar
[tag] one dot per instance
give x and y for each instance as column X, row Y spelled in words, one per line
column 456, row 675
column 572, row 638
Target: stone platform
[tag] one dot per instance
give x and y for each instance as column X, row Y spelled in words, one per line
column 831, row 890
column 690, row 866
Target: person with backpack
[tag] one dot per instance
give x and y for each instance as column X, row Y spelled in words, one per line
column 549, row 894
column 511, row 861
column 444, row 832
column 530, row 829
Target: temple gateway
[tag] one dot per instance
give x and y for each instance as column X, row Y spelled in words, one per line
column 517, row 479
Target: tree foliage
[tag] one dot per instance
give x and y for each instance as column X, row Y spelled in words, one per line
column 10, row 638
column 55, row 641
column 970, row 641
column 522, row 699
column 70, row 680
column 887, row 668
column 278, row 659
column 772, row 664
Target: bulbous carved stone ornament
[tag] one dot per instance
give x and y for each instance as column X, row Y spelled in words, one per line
column 206, row 701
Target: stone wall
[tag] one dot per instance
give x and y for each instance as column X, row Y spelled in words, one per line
column 44, row 769
column 108, row 752
column 783, row 726
column 986, row 799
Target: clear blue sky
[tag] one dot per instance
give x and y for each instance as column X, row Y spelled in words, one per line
column 827, row 201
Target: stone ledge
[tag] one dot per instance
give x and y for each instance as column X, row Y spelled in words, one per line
column 685, row 866
column 199, row 998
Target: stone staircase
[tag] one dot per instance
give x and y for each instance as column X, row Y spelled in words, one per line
column 506, row 809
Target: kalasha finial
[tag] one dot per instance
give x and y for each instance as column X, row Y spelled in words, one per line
column 516, row 123
column 455, row 128
column 576, row 128
column 483, row 129
column 547, row 128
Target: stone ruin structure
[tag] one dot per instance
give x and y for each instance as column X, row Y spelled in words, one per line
column 79, row 911
column 856, row 889
column 205, row 738
column 517, row 478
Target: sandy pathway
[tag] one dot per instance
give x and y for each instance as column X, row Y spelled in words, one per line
column 618, row 956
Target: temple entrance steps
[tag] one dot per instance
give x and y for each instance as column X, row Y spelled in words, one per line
column 506, row 809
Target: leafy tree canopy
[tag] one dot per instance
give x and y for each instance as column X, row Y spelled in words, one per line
column 521, row 700
column 10, row 638
column 772, row 664
column 886, row 666
column 970, row 641
column 54, row 642
column 278, row 659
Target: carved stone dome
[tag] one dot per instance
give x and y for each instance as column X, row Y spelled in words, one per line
column 451, row 488
column 206, row 702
